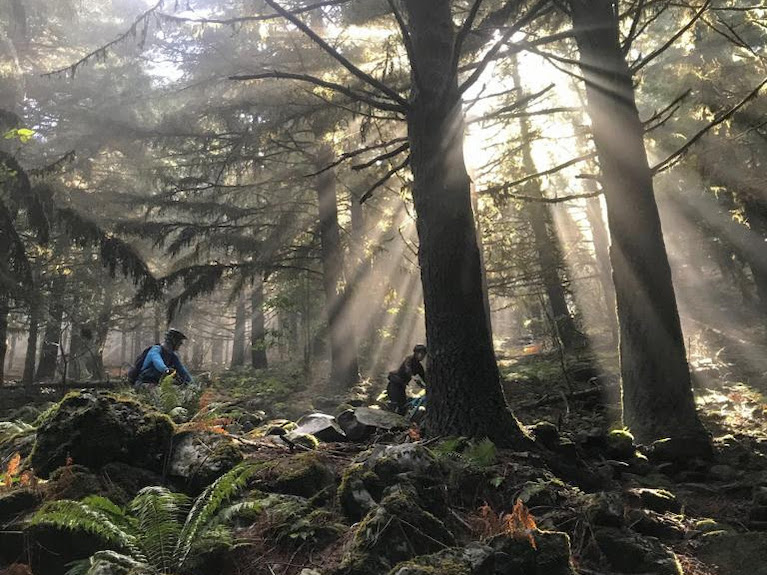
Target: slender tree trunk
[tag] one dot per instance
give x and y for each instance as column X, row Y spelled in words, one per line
column 657, row 394
column 465, row 396
column 258, row 326
column 601, row 243
column 30, row 360
column 344, row 369
column 756, row 213
column 238, row 351
column 52, row 338
column 4, row 311
column 100, row 332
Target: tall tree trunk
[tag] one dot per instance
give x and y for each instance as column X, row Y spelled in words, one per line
column 465, row 396
column 756, row 213
column 601, row 242
column 549, row 258
column 49, row 355
column 258, row 325
column 657, row 394
column 100, row 331
column 344, row 369
column 30, row 358
column 4, row 310
column 238, row 351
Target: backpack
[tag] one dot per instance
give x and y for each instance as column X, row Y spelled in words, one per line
column 135, row 371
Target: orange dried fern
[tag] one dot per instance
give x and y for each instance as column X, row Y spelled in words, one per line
column 520, row 524
column 11, row 470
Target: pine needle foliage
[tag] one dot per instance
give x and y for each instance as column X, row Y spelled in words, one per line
column 156, row 533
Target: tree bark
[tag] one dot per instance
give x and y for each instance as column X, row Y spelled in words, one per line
column 238, row 349
column 4, row 311
column 258, row 326
column 464, row 394
column 49, row 355
column 657, row 394
column 344, row 369
column 30, row 358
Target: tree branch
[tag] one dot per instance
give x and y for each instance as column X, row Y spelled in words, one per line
column 365, row 77
column 395, row 152
column 324, row 84
column 383, row 180
column 672, row 159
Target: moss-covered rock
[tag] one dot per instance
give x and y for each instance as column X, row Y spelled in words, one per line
column 293, row 522
column 518, row 556
column 396, row 530
column 77, row 481
column 628, row 552
column 359, row 491
column 198, row 458
column 93, row 429
column 658, row 500
column 620, row 444
column 475, row 559
column 17, row 502
column 306, row 475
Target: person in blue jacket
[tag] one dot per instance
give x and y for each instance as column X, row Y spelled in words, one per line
column 162, row 359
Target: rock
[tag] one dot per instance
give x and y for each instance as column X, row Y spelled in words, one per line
column 362, row 422
column 735, row 553
column 604, row 508
column 473, row 559
column 658, row 500
column 390, row 460
column 16, row 503
column 620, row 444
column 200, row 457
column 305, row 475
column 516, row 555
column 179, row 414
column 546, row 433
column 321, row 425
column 665, row 527
column 359, row 490
column 710, row 526
column 76, row 482
column 722, row 473
column 93, row 429
column 628, row 552
column 130, row 479
column 393, row 532
column 679, row 449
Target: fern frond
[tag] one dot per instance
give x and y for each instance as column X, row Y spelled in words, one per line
column 111, row 510
column 209, row 503
column 106, row 562
column 78, row 516
column 159, row 511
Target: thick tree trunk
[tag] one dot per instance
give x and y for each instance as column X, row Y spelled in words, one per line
column 49, row 355
column 464, row 394
column 657, row 395
column 550, row 258
column 258, row 326
column 344, row 369
column 238, row 351
column 4, row 310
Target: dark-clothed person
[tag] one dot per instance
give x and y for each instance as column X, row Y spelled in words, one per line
column 410, row 368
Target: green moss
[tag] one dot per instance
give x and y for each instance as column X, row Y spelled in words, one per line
column 359, row 490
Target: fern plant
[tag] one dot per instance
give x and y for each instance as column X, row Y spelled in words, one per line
column 156, row 533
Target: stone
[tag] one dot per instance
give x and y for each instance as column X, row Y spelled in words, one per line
column 604, row 508
column 628, row 552
column 735, row 553
column 722, row 473
column 357, row 489
column 95, row 428
column 546, row 433
column 362, row 422
column 518, row 556
column 198, row 458
column 305, row 475
column 665, row 527
column 658, row 500
column 620, row 444
column 396, row 530
column 321, row 425
column 15, row 503
column 474, row 559
column 76, row 482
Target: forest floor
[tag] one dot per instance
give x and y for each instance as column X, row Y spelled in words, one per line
column 619, row 508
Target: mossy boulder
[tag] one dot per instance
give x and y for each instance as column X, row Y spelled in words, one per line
column 198, row 458
column 359, row 491
column 77, row 481
column 293, row 522
column 93, row 429
column 475, row 559
column 628, row 552
column 620, row 444
column 550, row 554
column 305, row 475
column 397, row 530
column 658, row 500
column 15, row 503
